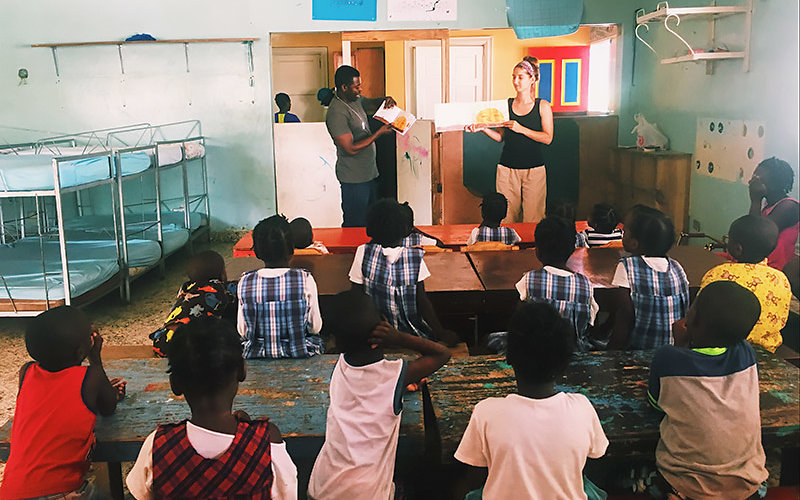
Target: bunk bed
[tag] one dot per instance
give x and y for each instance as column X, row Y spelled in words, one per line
column 75, row 259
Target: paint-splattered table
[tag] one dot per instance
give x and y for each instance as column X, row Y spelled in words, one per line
column 293, row 393
column 616, row 384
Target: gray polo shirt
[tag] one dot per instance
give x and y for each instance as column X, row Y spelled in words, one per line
column 344, row 118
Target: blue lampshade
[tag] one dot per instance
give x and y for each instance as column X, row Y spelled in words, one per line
column 541, row 18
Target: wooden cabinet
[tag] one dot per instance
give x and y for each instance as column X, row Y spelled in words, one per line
column 657, row 179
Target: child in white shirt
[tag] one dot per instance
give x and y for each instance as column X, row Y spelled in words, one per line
column 363, row 425
column 544, row 457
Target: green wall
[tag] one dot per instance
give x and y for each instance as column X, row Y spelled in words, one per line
column 675, row 95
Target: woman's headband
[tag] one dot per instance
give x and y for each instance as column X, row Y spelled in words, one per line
column 527, row 67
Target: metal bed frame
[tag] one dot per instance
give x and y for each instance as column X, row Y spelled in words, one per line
column 113, row 143
column 42, row 224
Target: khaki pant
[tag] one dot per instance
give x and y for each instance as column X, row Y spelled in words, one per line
column 526, row 192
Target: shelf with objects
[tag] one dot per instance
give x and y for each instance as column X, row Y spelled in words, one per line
column 712, row 13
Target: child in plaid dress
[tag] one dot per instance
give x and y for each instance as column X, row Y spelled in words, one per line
column 415, row 237
column 568, row 212
column 570, row 293
column 654, row 291
column 278, row 306
column 493, row 210
column 393, row 275
column 217, row 453
column 207, row 293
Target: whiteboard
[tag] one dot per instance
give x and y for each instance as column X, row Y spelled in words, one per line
column 305, row 175
column 414, row 170
column 728, row 149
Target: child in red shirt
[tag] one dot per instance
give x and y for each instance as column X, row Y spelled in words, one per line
column 52, row 436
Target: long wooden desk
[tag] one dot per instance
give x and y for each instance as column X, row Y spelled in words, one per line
column 347, row 239
column 293, row 393
column 615, row 382
column 502, row 270
column 450, row 271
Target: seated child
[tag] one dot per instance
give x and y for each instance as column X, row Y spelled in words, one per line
column 750, row 240
column 415, row 237
column 217, row 453
column 710, row 444
column 568, row 212
column 493, row 210
column 278, row 306
column 303, row 237
column 357, row 459
column 535, row 443
column 393, row 275
column 207, row 293
column 57, row 405
column 654, row 291
column 603, row 228
column 772, row 180
column 570, row 293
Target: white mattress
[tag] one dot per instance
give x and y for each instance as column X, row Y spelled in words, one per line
column 28, row 172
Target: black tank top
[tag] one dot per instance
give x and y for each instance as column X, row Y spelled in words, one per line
column 519, row 151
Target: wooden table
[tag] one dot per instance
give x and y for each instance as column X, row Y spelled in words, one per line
column 616, row 384
column 347, row 239
column 450, row 271
column 502, row 270
column 292, row 392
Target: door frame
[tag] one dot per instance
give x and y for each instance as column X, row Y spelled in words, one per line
column 469, row 41
column 321, row 51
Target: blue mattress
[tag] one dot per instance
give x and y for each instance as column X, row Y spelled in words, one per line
column 105, row 223
column 35, row 172
column 141, row 252
column 91, row 263
column 96, row 227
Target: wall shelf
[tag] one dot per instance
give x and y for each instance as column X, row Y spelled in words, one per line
column 247, row 42
column 711, row 13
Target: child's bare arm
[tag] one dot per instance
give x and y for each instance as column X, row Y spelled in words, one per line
column 623, row 319
column 99, row 393
column 433, row 355
column 22, row 373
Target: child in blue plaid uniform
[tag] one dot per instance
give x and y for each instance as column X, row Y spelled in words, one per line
column 654, row 291
column 493, row 210
column 393, row 275
column 568, row 212
column 415, row 237
column 278, row 306
column 570, row 293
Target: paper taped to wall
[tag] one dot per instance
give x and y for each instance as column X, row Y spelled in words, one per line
column 421, row 10
column 728, row 149
column 400, row 120
column 456, row 115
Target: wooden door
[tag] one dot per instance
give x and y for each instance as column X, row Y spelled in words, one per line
column 369, row 62
column 301, row 72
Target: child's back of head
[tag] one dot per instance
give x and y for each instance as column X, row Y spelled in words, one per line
column 205, row 358
column 564, row 209
column 723, row 314
column 302, row 232
column 387, row 224
column 752, row 238
column 206, row 266
column 409, row 214
column 540, row 343
column 272, row 240
column 59, row 338
column 604, row 218
column 648, row 231
column 494, row 208
column 353, row 320
column 555, row 240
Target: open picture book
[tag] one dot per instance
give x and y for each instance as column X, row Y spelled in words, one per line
column 400, row 120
